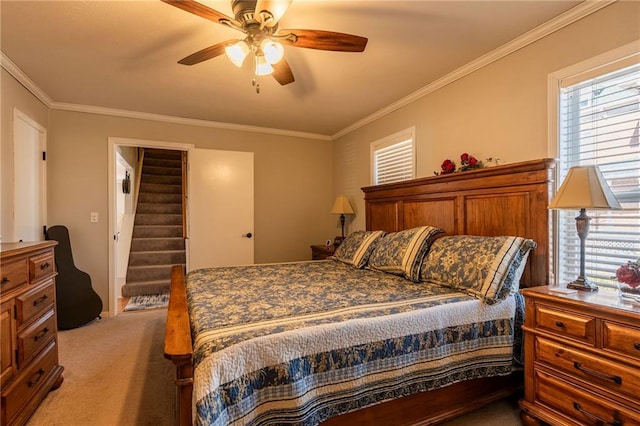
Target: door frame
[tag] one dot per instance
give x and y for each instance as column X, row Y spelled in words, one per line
column 113, row 143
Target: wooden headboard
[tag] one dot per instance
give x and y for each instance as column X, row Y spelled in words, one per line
column 502, row 200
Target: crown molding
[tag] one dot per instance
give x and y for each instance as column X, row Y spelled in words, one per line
column 24, row 79
column 186, row 121
column 572, row 15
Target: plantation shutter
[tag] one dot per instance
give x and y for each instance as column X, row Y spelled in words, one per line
column 393, row 158
column 600, row 124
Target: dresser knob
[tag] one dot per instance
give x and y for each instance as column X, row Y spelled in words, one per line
column 5, row 280
column 637, row 346
column 559, row 324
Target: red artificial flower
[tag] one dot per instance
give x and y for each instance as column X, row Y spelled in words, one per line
column 472, row 161
column 629, row 274
column 464, row 157
column 447, row 167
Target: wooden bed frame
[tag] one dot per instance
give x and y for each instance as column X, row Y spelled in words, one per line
column 502, row 200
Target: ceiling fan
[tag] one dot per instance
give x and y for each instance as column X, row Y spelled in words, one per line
column 258, row 20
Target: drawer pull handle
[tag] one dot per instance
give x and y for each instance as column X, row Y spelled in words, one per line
column 41, row 334
column 44, row 266
column 616, row 379
column 40, row 300
column 637, row 346
column 559, row 324
column 35, row 380
column 5, row 280
column 594, row 417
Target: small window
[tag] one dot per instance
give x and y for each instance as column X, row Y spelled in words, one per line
column 393, row 158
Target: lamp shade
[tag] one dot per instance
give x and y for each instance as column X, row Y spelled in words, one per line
column 342, row 206
column 584, row 188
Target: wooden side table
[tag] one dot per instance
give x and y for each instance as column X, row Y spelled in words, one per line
column 320, row 252
column 582, row 352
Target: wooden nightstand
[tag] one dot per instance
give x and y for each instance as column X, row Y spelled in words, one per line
column 319, row 252
column 582, row 352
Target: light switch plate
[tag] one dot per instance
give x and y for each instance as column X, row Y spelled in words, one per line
column 94, row 217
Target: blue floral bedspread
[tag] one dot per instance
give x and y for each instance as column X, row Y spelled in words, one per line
column 298, row 343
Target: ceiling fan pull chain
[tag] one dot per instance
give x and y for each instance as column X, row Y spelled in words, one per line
column 256, row 85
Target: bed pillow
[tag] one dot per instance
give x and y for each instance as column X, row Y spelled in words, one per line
column 488, row 268
column 357, row 247
column 402, row 252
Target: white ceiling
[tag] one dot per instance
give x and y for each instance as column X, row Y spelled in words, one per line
column 123, row 55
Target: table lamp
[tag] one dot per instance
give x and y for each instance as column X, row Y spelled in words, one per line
column 584, row 188
column 342, row 206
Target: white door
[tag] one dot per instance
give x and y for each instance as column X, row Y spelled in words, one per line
column 220, row 206
column 29, row 207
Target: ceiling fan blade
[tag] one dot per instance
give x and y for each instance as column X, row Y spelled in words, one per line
column 203, row 11
column 206, row 53
column 282, row 73
column 269, row 12
column 322, row 40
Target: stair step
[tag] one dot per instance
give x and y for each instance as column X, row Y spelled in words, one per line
column 159, row 208
column 158, row 258
column 150, row 197
column 157, row 231
column 162, row 179
column 160, row 188
column 157, row 219
column 162, row 162
column 162, row 153
column 155, row 244
column 142, row 288
column 161, row 171
column 148, row 273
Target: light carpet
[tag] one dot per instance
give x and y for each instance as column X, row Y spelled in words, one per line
column 154, row 301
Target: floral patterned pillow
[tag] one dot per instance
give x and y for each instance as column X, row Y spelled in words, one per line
column 357, row 247
column 402, row 252
column 488, row 268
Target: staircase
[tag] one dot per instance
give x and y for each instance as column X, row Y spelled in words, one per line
column 158, row 241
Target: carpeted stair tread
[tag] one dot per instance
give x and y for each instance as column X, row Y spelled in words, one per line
column 163, row 162
column 146, row 287
column 158, row 219
column 156, row 244
column 149, row 197
column 157, row 231
column 161, row 171
column 144, row 258
column 161, row 179
column 159, row 208
column 160, row 188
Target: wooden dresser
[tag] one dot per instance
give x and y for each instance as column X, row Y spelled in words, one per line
column 582, row 359
column 29, row 366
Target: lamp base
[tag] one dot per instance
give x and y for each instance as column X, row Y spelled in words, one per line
column 582, row 285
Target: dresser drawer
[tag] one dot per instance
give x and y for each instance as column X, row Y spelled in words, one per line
column 14, row 274
column 34, row 337
column 566, row 324
column 34, row 302
column 615, row 377
column 41, row 266
column 26, row 384
column 622, row 339
column 579, row 405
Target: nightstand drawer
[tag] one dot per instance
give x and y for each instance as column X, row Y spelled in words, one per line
column 582, row 407
column 622, row 339
column 566, row 324
column 14, row 274
column 615, row 377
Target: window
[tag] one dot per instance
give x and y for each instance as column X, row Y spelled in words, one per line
column 393, row 158
column 599, row 123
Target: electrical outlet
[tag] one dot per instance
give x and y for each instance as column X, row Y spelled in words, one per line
column 94, row 217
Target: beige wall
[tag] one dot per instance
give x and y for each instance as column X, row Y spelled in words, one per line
column 14, row 95
column 497, row 111
column 292, row 184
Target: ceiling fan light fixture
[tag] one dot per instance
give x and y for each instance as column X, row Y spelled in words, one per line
column 237, row 52
column 263, row 67
column 273, row 51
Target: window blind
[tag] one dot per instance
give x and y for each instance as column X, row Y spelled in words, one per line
column 393, row 159
column 600, row 124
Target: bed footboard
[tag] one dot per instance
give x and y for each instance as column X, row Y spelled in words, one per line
column 177, row 345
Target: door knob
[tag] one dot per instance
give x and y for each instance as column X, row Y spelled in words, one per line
column 247, row 235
